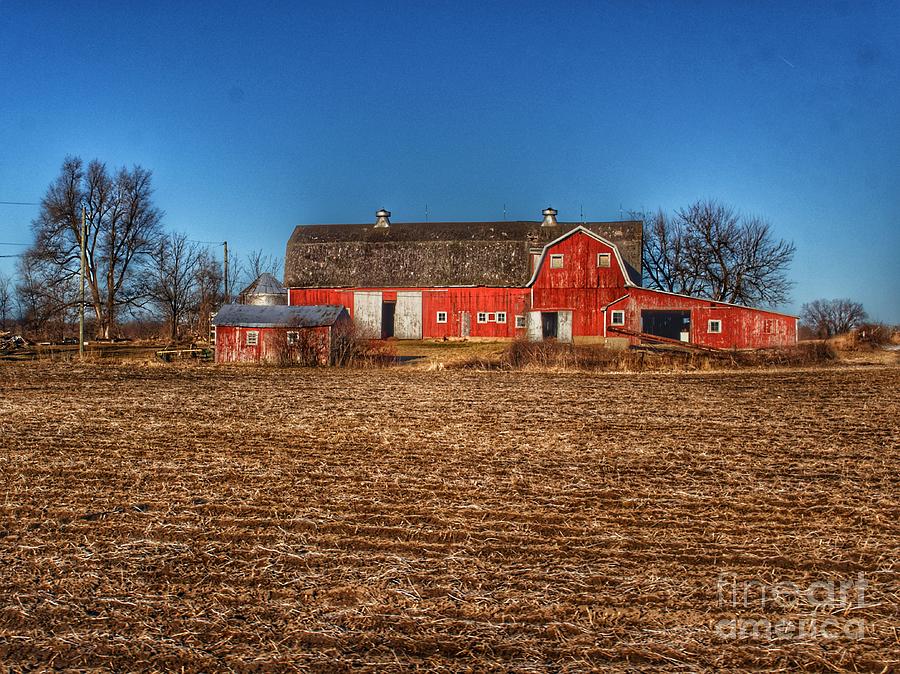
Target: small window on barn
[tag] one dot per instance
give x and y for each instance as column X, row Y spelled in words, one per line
column 252, row 337
column 212, row 335
column 442, row 317
column 602, row 259
column 500, row 317
column 618, row 318
column 556, row 261
column 769, row 326
column 714, row 326
column 520, row 321
column 482, row 317
column 293, row 337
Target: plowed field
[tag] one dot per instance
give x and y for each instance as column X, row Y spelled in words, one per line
column 258, row 519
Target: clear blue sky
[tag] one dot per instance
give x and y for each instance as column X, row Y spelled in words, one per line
column 255, row 117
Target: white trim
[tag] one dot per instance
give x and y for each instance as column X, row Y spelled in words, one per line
column 497, row 315
column 709, row 329
column 478, row 317
column 622, row 268
column 623, row 297
column 557, row 257
column 524, row 324
column 437, row 318
column 608, row 261
column 255, row 334
column 612, row 318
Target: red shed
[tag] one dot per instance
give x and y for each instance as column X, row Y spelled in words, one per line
column 278, row 333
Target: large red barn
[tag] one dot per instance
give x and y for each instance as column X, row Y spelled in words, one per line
column 537, row 280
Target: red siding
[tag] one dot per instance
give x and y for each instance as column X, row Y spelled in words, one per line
column 454, row 301
column 742, row 327
column 232, row 347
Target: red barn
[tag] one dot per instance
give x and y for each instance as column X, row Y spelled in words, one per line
column 277, row 333
column 538, row 280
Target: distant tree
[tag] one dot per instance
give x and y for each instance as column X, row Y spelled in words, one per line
column 170, row 280
column 6, row 299
column 46, row 302
column 259, row 262
column 208, row 291
column 709, row 250
column 122, row 226
column 827, row 318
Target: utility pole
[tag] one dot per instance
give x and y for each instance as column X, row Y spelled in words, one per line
column 227, row 296
column 81, row 304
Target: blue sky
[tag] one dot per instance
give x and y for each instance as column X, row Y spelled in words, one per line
column 255, row 117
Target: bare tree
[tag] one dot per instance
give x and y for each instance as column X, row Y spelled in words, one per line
column 6, row 299
column 827, row 318
column 46, row 302
column 122, row 225
column 171, row 278
column 709, row 250
column 259, row 262
column 208, row 291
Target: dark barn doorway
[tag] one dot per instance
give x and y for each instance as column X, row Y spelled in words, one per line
column 388, row 310
column 549, row 324
column 668, row 324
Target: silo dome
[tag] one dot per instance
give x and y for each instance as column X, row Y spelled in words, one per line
column 266, row 289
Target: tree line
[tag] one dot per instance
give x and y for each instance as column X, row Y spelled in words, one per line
column 135, row 270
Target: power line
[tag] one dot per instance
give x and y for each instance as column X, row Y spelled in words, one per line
column 3, row 243
column 20, row 203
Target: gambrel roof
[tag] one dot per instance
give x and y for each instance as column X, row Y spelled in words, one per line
column 436, row 254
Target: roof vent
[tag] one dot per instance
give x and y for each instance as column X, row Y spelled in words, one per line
column 549, row 217
column 383, row 219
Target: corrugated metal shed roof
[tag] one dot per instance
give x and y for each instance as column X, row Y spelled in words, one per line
column 265, row 284
column 278, row 316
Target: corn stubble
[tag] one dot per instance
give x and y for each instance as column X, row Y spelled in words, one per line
column 256, row 519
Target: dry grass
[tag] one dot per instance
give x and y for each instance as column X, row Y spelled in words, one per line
column 555, row 356
column 218, row 518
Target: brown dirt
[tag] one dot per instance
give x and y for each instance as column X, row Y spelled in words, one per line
column 218, row 518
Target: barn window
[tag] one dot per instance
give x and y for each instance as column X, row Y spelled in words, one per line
column 556, row 261
column 212, row 335
column 500, row 317
column 482, row 317
column 520, row 321
column 714, row 325
column 252, row 337
column 602, row 259
column 769, row 326
column 442, row 317
column 618, row 318
column 293, row 337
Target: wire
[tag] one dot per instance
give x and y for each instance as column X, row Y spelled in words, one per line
column 211, row 243
column 3, row 243
column 20, row 203
column 19, row 255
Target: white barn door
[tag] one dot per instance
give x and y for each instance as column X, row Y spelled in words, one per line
column 367, row 314
column 564, row 326
column 408, row 316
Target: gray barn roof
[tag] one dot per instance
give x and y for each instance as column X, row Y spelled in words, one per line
column 278, row 316
column 434, row 254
